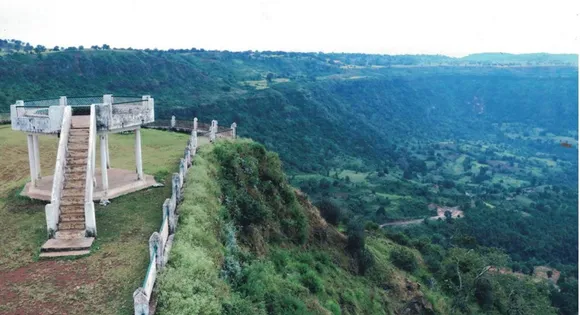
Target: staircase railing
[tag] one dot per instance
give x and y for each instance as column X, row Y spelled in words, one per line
column 52, row 209
column 90, row 222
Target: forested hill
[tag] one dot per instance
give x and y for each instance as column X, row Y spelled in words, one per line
column 310, row 107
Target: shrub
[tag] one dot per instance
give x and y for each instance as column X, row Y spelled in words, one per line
column 404, row 259
column 329, row 211
column 311, row 281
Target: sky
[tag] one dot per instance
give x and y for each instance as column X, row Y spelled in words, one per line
column 448, row 27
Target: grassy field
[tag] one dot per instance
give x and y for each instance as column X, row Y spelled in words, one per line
column 103, row 282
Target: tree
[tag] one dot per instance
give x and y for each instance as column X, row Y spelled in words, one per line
column 106, row 47
column 39, row 49
column 81, row 47
column 329, row 211
column 95, row 47
column 269, row 77
column 55, row 48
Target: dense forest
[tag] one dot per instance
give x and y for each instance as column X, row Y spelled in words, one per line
column 382, row 141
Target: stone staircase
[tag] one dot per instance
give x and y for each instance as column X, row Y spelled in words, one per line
column 70, row 237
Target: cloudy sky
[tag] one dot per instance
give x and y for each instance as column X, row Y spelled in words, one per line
column 450, row 27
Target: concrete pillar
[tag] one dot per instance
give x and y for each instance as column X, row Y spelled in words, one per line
column 108, row 99
column 212, row 130
column 107, row 146
column 172, row 121
column 31, row 161
column 36, row 145
column 233, row 126
column 62, row 101
column 138, row 159
column 195, row 124
column 104, row 174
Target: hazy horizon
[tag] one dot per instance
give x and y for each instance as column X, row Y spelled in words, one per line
column 448, row 27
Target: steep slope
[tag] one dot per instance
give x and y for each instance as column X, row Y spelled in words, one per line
column 248, row 243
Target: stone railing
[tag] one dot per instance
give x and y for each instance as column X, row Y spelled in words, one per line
column 38, row 119
column 160, row 242
column 52, row 209
column 90, row 221
column 112, row 113
column 121, row 115
column 211, row 131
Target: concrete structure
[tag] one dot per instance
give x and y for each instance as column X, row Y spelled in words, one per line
column 70, row 215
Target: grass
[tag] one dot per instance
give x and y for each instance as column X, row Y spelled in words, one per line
column 104, row 281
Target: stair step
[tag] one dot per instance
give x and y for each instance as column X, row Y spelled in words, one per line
column 58, row 245
column 78, row 154
column 78, row 146
column 64, row 253
column 74, row 184
column 69, row 234
column 73, row 209
column 72, row 217
column 72, row 225
column 78, row 140
column 75, row 176
column 70, row 169
column 70, row 200
column 79, row 131
column 73, row 193
column 76, row 162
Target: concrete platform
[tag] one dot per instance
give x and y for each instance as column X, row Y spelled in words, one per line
column 121, row 182
column 59, row 248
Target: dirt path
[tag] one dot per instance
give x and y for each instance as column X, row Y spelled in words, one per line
column 404, row 222
column 46, row 287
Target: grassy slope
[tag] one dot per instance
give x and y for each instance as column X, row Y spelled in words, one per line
column 276, row 276
column 106, row 278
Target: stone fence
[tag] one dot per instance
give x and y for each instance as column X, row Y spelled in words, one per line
column 211, row 130
column 160, row 242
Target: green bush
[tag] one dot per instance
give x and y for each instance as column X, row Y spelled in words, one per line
column 404, row 259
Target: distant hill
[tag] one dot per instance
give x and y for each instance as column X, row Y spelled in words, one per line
column 308, row 106
column 535, row 59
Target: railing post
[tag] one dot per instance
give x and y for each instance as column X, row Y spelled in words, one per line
column 62, row 101
column 172, row 122
column 156, row 248
column 140, row 302
column 234, row 126
column 195, row 124
column 212, row 130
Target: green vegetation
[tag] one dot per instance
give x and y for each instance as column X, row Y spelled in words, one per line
column 372, row 139
column 288, row 260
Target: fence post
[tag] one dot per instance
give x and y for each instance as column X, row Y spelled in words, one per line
column 195, row 124
column 176, row 190
column 140, row 302
column 212, row 130
column 172, row 122
column 234, row 126
column 62, row 101
column 171, row 216
column 156, row 248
